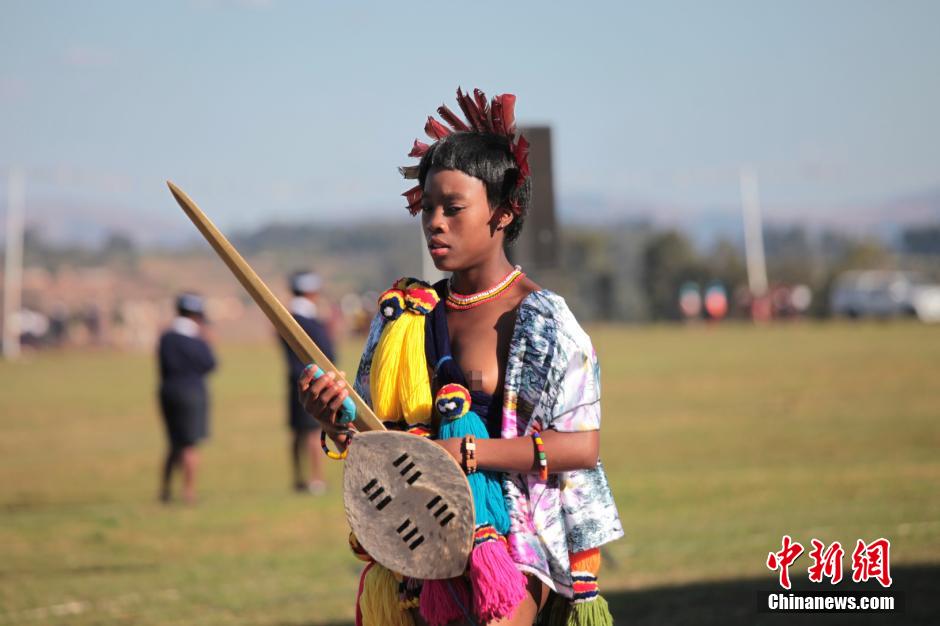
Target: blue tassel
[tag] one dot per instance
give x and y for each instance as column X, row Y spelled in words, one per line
column 453, row 404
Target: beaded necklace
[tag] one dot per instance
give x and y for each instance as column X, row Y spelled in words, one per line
column 461, row 302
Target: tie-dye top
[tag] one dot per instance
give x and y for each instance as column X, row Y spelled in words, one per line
column 552, row 381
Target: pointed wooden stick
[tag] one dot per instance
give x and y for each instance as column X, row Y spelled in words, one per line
column 301, row 344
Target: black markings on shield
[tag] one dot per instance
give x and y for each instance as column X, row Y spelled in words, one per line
column 407, row 468
column 373, row 490
column 441, row 510
column 407, row 536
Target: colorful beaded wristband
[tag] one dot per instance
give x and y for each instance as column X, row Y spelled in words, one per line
column 540, row 456
column 336, row 456
column 469, row 449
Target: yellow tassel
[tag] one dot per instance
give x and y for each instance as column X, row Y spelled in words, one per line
column 383, row 380
column 399, row 381
column 414, row 391
column 379, row 600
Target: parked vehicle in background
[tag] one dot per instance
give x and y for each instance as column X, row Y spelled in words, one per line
column 885, row 294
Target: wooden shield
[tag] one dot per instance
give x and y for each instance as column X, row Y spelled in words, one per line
column 409, row 504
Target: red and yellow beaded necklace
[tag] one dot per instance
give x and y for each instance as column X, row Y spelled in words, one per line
column 462, row 302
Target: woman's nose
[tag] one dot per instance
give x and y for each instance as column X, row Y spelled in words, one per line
column 434, row 221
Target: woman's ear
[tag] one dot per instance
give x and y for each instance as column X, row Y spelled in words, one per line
column 505, row 219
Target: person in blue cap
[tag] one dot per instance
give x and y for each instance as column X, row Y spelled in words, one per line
column 185, row 358
column 305, row 430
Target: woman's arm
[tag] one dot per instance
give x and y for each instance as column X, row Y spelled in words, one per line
column 565, row 452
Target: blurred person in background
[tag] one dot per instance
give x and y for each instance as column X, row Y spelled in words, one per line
column 185, row 358
column 305, row 430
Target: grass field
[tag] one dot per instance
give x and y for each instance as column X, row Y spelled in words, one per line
column 717, row 441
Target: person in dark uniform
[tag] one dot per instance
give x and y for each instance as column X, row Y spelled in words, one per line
column 185, row 359
column 305, row 430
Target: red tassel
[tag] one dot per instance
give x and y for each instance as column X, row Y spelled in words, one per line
column 496, row 117
column 413, row 196
column 362, row 580
column 507, row 103
column 418, row 149
column 520, row 152
column 470, row 110
column 484, row 108
column 435, row 129
column 455, row 122
column 496, row 114
column 437, row 605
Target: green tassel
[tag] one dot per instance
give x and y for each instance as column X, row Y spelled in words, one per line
column 593, row 613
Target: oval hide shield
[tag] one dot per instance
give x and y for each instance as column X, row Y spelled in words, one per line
column 409, row 504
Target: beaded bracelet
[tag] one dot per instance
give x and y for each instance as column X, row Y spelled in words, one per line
column 336, row 456
column 540, row 455
column 469, row 449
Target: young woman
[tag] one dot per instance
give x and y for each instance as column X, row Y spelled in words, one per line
column 530, row 368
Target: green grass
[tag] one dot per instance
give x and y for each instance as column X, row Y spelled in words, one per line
column 717, row 441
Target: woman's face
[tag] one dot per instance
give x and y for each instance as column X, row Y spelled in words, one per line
column 460, row 227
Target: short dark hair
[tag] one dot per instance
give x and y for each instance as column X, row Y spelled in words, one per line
column 487, row 157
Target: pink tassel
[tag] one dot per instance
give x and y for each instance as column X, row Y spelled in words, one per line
column 437, row 605
column 498, row 587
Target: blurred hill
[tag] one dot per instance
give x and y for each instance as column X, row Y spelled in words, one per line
column 71, row 220
column 618, row 262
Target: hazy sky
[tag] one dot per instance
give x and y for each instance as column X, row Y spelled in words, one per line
column 272, row 108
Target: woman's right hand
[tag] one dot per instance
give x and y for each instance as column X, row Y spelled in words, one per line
column 322, row 397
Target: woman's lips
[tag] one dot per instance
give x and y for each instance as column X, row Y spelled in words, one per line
column 437, row 248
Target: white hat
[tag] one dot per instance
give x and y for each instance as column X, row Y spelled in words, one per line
column 305, row 282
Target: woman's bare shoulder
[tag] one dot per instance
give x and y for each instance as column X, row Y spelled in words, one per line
column 527, row 286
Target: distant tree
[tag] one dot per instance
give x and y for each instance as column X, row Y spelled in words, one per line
column 921, row 239
column 119, row 249
column 865, row 254
column 668, row 261
column 725, row 263
column 786, row 242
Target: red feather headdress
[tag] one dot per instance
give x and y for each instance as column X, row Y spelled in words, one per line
column 496, row 117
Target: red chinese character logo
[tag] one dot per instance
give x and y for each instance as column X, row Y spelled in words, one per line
column 872, row 561
column 783, row 559
column 826, row 562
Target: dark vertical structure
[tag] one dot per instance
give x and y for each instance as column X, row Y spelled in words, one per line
column 539, row 245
